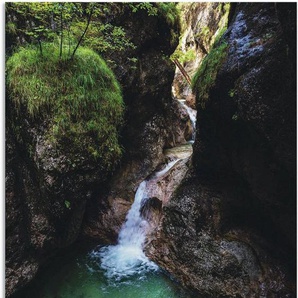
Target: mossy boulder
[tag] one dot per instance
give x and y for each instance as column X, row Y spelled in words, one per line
column 62, row 121
column 79, row 98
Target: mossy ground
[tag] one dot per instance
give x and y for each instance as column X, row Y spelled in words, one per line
column 80, row 98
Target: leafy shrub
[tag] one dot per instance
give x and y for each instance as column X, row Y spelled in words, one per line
column 169, row 11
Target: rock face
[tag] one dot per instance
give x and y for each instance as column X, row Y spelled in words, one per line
column 47, row 187
column 46, row 194
column 229, row 230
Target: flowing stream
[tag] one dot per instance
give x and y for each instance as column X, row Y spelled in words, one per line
column 127, row 257
column 115, row 271
column 192, row 115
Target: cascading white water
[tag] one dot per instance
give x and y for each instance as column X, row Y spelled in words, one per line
column 192, row 115
column 127, row 257
column 166, row 169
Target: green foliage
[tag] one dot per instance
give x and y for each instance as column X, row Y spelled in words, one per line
column 11, row 27
column 184, row 57
column 169, row 11
column 69, row 23
column 32, row 20
column 205, row 76
column 147, row 6
column 223, row 23
column 103, row 37
column 67, row 204
column 81, row 97
column 203, row 34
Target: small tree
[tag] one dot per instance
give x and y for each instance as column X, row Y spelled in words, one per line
column 48, row 20
column 90, row 9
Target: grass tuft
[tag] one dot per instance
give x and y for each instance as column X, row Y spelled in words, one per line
column 80, row 97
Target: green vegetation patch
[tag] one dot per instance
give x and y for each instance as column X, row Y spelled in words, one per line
column 168, row 10
column 205, row 76
column 79, row 97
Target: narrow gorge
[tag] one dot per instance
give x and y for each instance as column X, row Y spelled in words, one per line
column 150, row 150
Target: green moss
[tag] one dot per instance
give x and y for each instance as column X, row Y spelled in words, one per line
column 203, row 33
column 11, row 28
column 232, row 93
column 205, row 77
column 80, row 98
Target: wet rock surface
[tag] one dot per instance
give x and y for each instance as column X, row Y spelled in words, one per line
column 46, row 193
column 229, row 230
column 192, row 246
column 151, row 210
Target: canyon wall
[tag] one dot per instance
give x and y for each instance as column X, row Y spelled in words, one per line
column 229, row 230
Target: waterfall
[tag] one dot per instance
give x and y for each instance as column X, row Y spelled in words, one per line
column 193, row 117
column 127, row 257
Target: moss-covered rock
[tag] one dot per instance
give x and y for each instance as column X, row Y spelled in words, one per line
column 62, row 118
column 205, row 76
column 80, row 99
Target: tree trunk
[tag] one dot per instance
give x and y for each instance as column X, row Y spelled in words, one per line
column 184, row 73
column 82, row 36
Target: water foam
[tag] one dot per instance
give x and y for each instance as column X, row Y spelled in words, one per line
column 192, row 115
column 127, row 257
